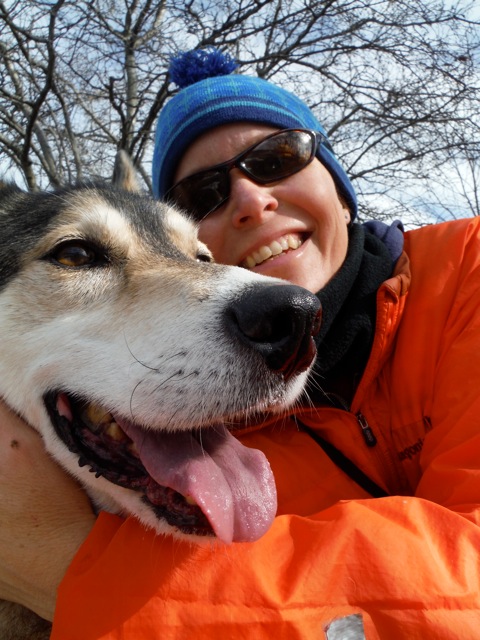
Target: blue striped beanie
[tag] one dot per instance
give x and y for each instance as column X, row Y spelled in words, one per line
column 223, row 99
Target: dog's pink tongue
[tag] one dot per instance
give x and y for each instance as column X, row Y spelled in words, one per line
column 232, row 484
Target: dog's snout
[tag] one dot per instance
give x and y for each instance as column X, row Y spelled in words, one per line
column 278, row 322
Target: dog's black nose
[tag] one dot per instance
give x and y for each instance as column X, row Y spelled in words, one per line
column 278, row 321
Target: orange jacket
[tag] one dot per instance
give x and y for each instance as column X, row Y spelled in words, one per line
column 408, row 565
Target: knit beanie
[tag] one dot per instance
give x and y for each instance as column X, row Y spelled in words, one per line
column 211, row 95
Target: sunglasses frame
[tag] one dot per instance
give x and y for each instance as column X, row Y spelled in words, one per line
column 224, row 168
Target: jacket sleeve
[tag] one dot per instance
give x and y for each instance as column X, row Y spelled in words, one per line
column 422, row 581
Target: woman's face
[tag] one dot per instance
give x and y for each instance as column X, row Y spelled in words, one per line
column 295, row 229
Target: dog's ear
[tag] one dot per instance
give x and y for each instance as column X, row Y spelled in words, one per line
column 124, row 173
column 7, row 188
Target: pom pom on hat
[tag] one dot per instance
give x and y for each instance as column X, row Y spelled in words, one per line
column 192, row 66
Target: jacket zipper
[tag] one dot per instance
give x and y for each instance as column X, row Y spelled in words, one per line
column 384, row 456
column 367, row 433
column 366, row 430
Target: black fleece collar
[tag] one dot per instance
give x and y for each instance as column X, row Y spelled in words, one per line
column 349, row 314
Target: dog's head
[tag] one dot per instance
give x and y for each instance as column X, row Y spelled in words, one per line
column 132, row 354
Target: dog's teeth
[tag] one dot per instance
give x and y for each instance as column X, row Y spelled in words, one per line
column 190, row 500
column 97, row 416
column 115, row 432
column 132, row 447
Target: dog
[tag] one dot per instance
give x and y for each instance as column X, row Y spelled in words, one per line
column 127, row 347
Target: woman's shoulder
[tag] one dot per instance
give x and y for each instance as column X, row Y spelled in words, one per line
column 444, row 262
column 454, row 234
column 451, row 247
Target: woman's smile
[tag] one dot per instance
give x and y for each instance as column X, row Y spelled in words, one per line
column 285, row 243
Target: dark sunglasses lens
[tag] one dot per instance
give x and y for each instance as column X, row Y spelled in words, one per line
column 280, row 156
column 200, row 194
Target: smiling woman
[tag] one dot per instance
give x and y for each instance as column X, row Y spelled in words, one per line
column 286, row 218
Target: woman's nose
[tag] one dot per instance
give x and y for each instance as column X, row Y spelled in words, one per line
column 251, row 203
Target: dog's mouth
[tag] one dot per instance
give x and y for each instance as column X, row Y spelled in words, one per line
column 203, row 482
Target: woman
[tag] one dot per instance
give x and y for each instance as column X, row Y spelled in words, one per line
column 392, row 409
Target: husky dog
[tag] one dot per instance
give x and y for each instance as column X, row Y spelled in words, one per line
column 133, row 355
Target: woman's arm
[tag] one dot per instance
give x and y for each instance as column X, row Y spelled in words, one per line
column 405, row 567
column 44, row 518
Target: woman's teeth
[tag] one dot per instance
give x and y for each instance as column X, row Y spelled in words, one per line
column 275, row 248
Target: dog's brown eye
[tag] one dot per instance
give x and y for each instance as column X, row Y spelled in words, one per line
column 75, row 254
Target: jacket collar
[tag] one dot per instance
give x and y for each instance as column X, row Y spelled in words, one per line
column 349, row 316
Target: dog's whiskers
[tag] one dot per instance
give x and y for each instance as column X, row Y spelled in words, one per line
column 144, row 364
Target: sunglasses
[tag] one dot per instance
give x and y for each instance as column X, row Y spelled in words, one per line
column 278, row 156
